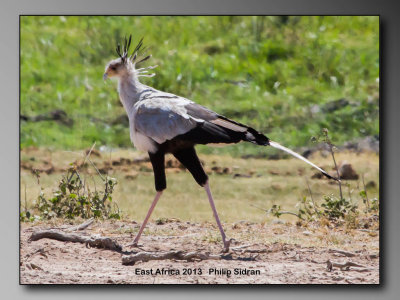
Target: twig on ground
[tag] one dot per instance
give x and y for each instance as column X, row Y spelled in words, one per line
column 241, row 247
column 178, row 255
column 315, row 261
column 82, row 226
column 345, row 253
column 368, row 230
column 346, row 266
column 252, row 250
column 296, row 256
column 90, row 241
column 241, row 250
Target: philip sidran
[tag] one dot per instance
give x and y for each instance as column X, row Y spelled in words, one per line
column 237, row 271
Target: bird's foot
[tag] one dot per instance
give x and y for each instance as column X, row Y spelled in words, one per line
column 227, row 244
column 133, row 245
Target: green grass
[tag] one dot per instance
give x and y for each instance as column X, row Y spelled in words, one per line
column 267, row 72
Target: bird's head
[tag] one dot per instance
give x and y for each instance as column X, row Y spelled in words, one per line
column 126, row 64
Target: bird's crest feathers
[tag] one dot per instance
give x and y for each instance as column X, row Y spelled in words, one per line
column 136, row 57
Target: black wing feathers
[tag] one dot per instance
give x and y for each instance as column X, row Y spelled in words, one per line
column 219, row 129
column 206, row 133
column 252, row 135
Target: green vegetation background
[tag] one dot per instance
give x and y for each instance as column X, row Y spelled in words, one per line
column 273, row 73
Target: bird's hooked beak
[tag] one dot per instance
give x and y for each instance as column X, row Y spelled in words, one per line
column 105, row 76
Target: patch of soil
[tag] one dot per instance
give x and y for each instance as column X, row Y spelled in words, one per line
column 49, row 261
column 130, row 167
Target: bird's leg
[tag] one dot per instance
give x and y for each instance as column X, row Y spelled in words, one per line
column 157, row 197
column 210, row 198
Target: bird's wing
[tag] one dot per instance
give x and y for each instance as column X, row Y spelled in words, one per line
column 163, row 118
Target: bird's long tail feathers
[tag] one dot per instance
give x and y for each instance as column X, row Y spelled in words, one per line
column 280, row 147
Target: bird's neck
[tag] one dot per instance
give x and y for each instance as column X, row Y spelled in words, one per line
column 129, row 89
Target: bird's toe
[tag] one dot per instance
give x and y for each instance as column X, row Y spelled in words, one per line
column 227, row 244
column 133, row 245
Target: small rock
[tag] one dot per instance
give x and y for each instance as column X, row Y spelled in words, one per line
column 227, row 171
column 317, row 175
column 116, row 162
column 347, row 172
column 237, row 175
column 371, row 184
column 272, row 172
column 217, row 169
column 307, row 233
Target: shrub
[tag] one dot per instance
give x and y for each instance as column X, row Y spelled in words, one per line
column 75, row 198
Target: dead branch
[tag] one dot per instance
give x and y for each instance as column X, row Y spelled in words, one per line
column 315, row 261
column 178, row 255
column 90, row 241
column 258, row 251
column 345, row 253
column 346, row 266
column 82, row 226
column 251, row 250
column 241, row 247
column 368, row 230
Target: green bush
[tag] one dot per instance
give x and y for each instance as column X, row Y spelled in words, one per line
column 75, row 198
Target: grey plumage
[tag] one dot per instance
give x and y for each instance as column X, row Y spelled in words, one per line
column 162, row 119
column 156, row 116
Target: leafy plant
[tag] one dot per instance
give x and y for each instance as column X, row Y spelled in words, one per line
column 74, row 198
column 374, row 205
column 335, row 208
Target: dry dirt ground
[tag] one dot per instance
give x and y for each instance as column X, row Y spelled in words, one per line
column 272, row 261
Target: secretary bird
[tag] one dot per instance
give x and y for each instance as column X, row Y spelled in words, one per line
column 161, row 123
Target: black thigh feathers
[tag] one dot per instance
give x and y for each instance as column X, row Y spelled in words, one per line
column 187, row 157
column 191, row 161
column 157, row 161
